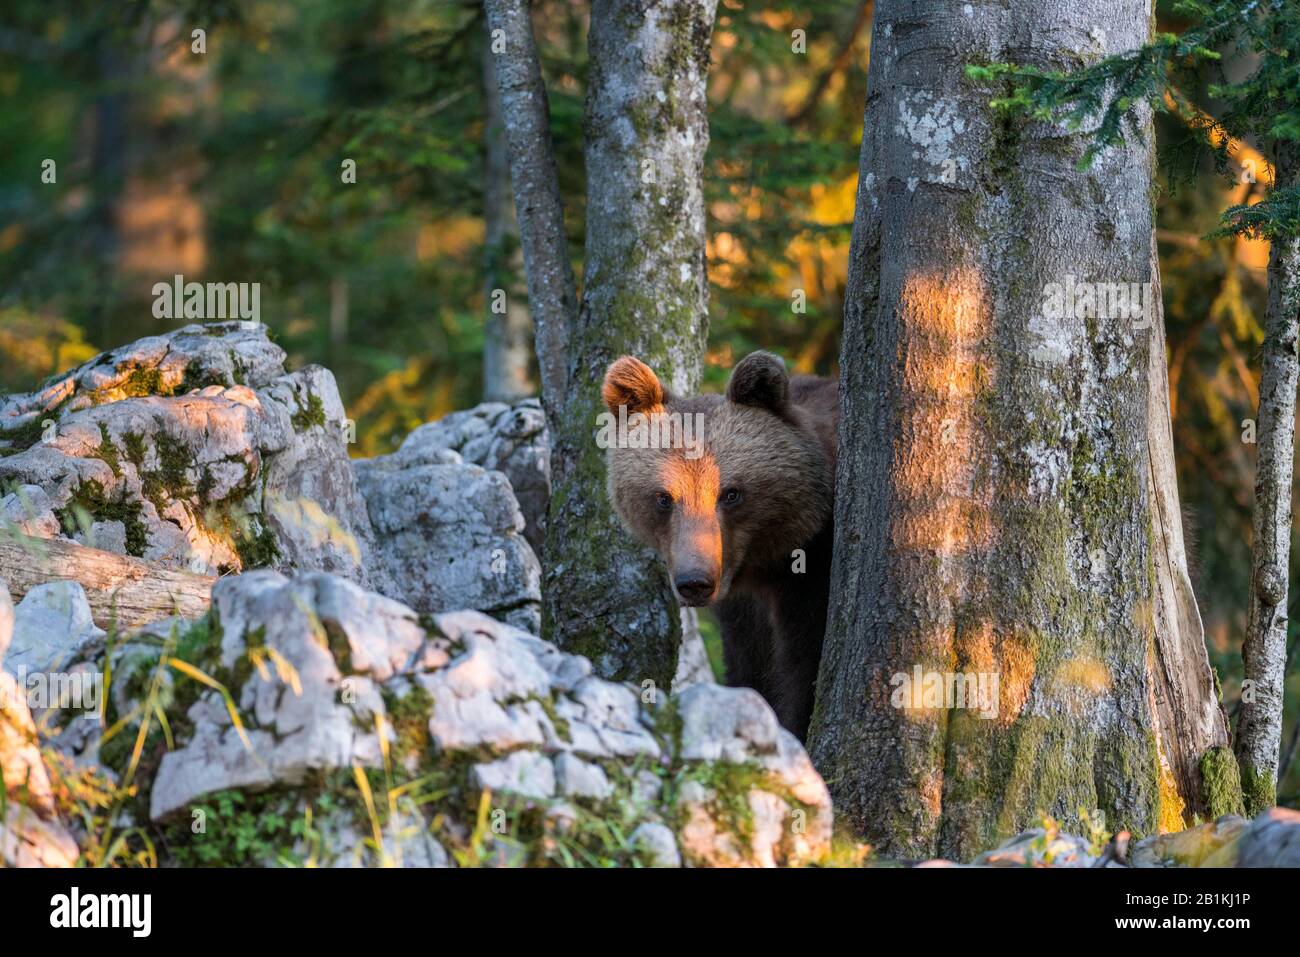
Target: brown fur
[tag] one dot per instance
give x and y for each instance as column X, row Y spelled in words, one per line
column 771, row 439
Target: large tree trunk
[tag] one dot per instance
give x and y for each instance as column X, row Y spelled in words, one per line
column 645, row 293
column 1259, row 726
column 507, row 332
column 994, row 505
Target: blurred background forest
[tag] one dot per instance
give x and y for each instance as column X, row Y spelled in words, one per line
column 226, row 166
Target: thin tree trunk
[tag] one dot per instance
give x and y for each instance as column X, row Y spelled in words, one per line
column 1263, row 652
column 508, row 332
column 552, row 296
column 993, row 512
column 645, row 293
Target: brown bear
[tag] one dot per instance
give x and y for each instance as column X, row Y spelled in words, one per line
column 735, row 493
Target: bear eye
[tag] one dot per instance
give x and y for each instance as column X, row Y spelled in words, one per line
column 664, row 502
column 731, row 498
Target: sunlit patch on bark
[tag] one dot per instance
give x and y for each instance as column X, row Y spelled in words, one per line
column 985, row 650
column 1088, row 674
column 943, row 374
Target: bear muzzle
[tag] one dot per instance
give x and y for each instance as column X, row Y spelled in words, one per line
column 695, row 588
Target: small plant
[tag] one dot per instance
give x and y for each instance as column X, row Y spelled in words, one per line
column 311, row 414
column 1042, row 847
column 1094, row 823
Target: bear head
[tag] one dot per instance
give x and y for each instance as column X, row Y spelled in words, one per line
column 723, row 487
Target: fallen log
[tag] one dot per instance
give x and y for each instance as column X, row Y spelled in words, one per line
column 125, row 592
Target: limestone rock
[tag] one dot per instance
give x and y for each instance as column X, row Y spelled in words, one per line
column 452, row 537
column 28, row 840
column 31, row 834
column 657, row 841
column 1272, row 840
column 752, row 797
column 6, row 619
column 27, row 510
column 481, row 699
column 49, row 625
column 511, row 439
column 194, row 450
column 1037, row 848
column 526, row 773
column 577, row 778
column 324, row 645
column 693, row 665
column 725, row 723
column 499, row 437
column 331, row 685
column 20, row 755
column 53, row 644
column 1192, row 847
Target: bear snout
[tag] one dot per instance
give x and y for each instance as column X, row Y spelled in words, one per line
column 695, row 588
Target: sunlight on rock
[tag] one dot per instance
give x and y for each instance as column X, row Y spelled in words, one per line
column 319, row 528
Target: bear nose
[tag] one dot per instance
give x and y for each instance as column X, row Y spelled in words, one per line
column 695, row 588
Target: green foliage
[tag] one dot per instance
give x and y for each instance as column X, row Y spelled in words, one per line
column 147, row 381
column 711, row 635
column 1095, row 826
column 730, row 785
column 134, row 446
column 196, row 378
column 169, row 482
column 409, row 716
column 1277, row 216
column 297, row 88
column 240, row 830
column 1259, row 791
column 1263, row 36
column 19, row 438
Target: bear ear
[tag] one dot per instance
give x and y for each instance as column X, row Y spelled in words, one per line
column 759, row 379
column 632, row 383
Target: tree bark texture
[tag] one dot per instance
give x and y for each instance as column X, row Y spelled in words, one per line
column 1190, row 725
column 994, row 493
column 552, row 296
column 1263, row 652
column 645, row 293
